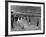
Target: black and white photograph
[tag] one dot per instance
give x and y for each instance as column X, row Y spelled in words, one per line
column 24, row 18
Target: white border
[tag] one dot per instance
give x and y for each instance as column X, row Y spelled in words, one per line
column 23, row 32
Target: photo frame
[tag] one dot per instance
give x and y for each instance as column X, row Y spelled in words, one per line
column 31, row 11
